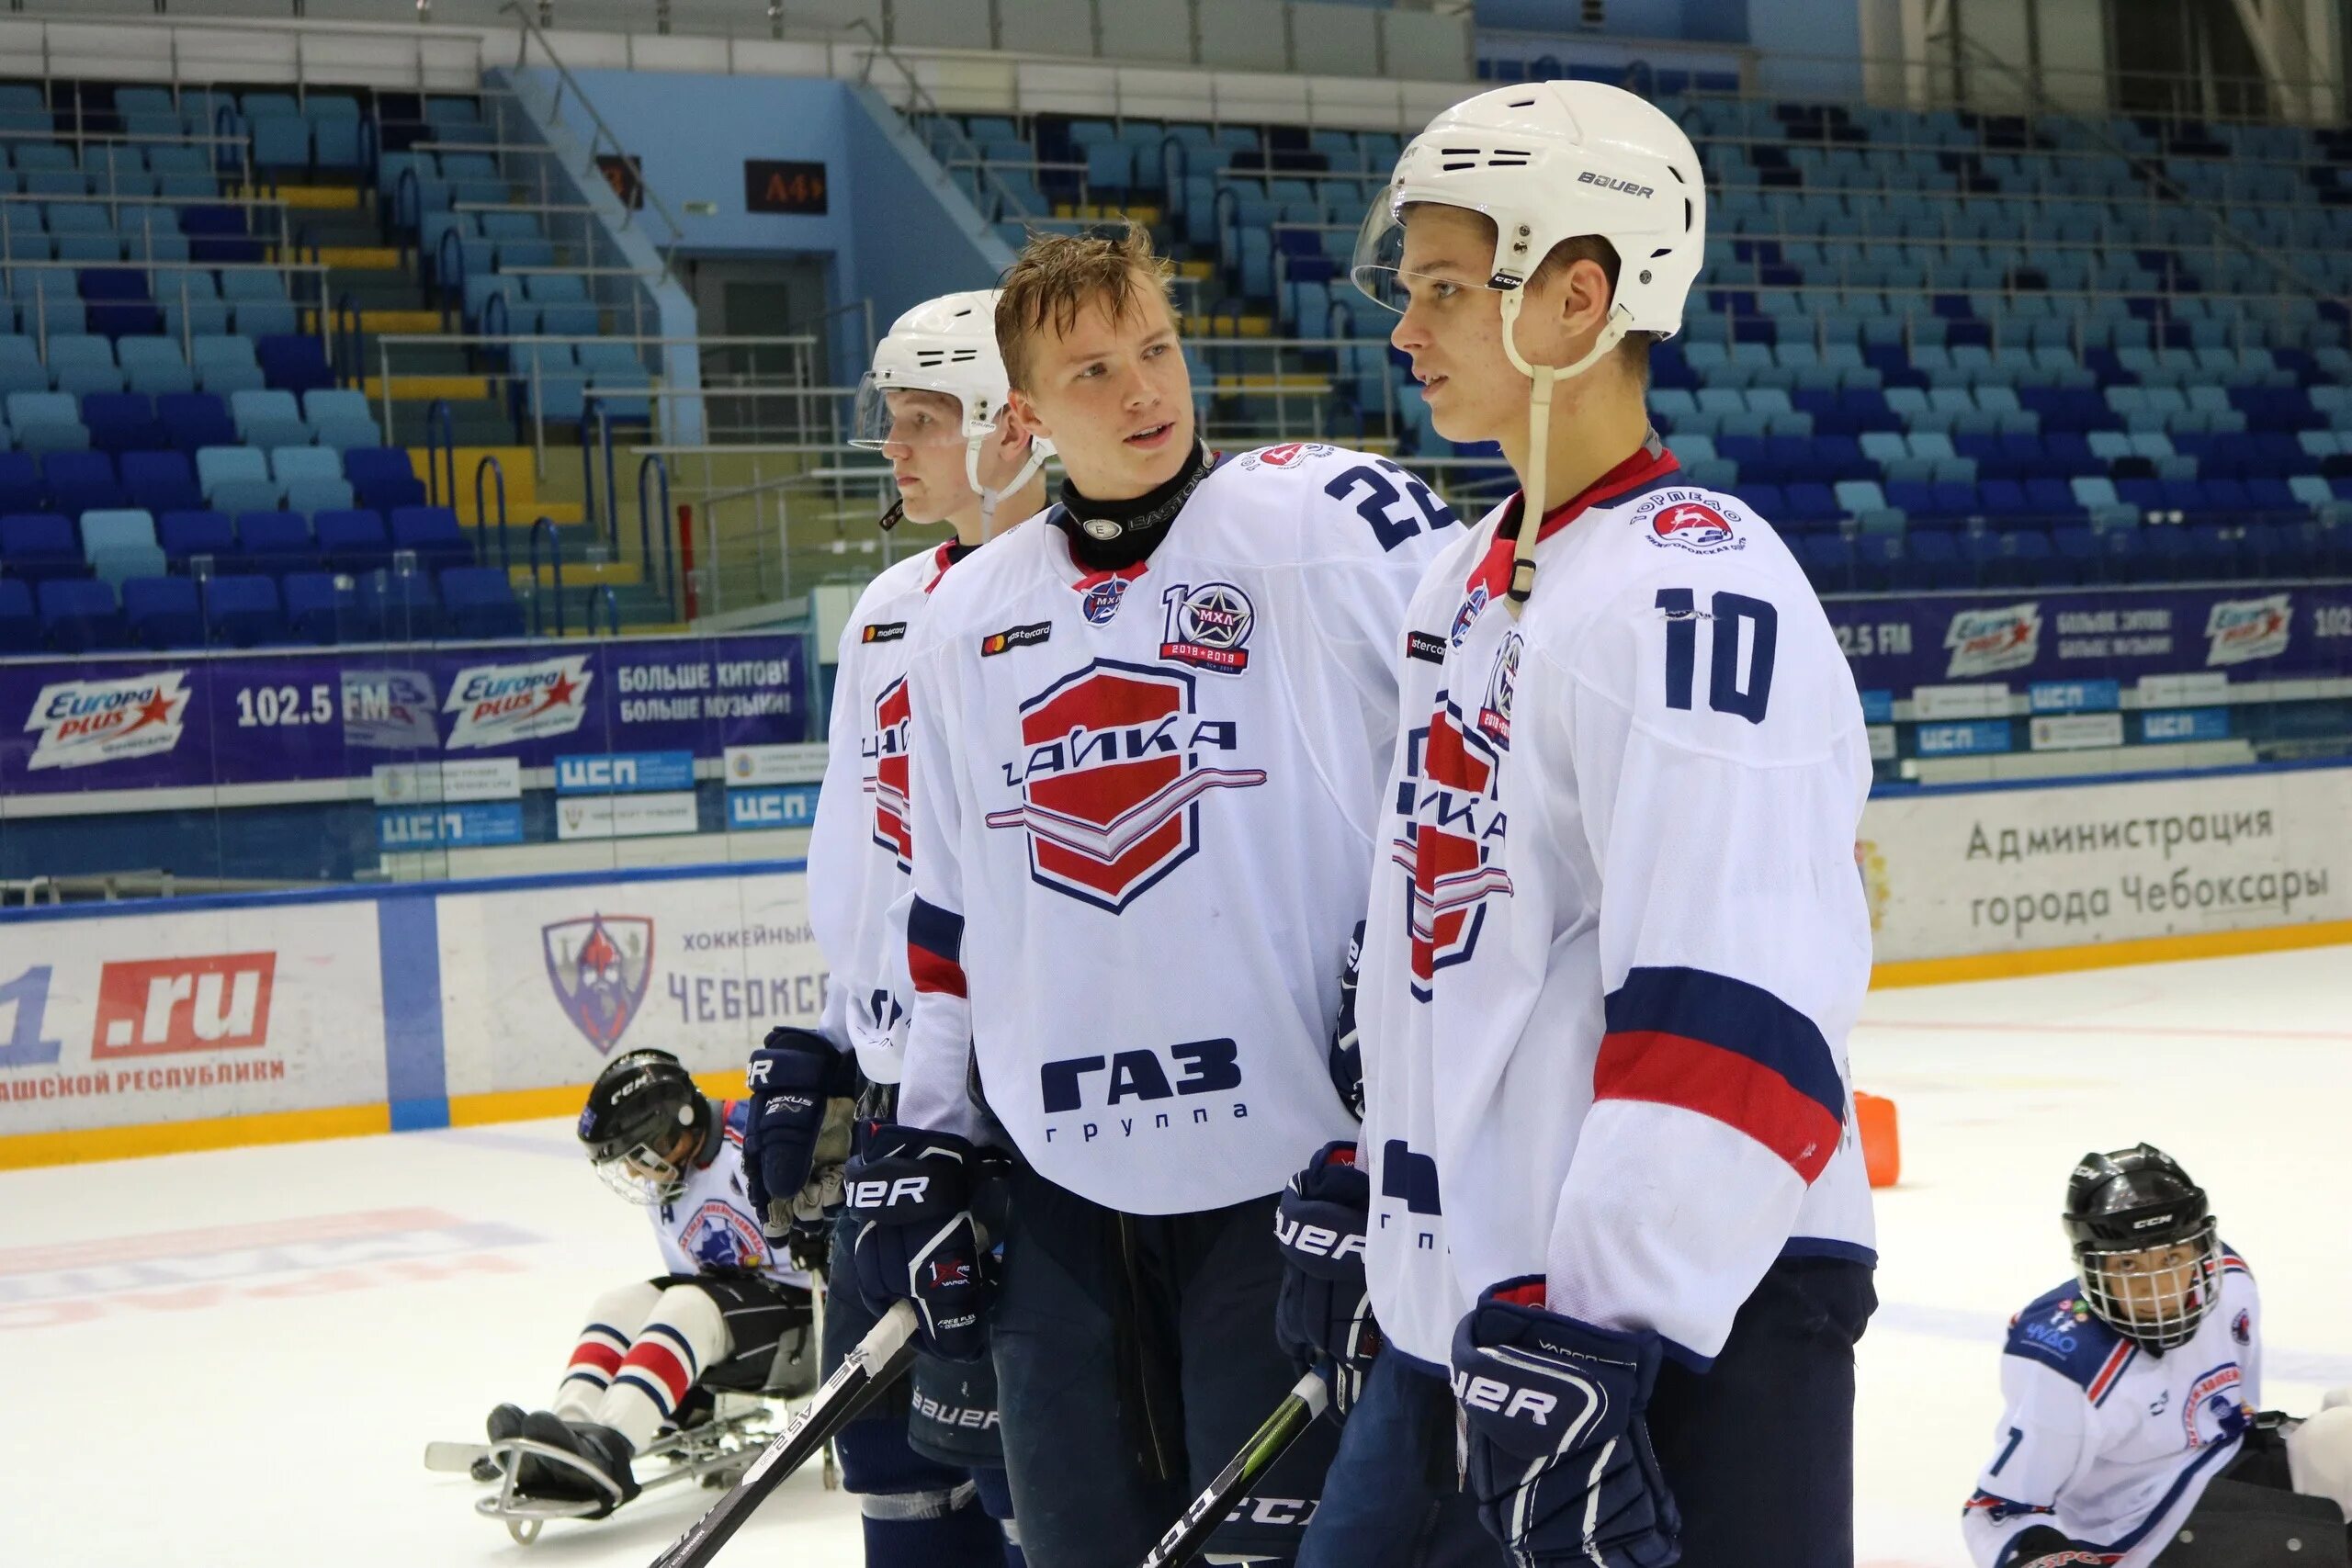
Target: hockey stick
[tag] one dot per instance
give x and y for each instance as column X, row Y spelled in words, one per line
column 863, row 1373
column 1297, row 1412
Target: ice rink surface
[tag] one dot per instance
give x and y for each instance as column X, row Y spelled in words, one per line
column 234, row 1359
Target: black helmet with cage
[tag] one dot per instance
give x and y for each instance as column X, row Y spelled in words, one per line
column 643, row 1124
column 2146, row 1245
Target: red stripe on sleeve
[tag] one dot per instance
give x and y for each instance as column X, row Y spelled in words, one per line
column 1738, row 1091
column 931, row 972
column 658, row 1361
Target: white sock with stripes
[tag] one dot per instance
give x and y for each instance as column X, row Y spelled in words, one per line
column 613, row 1324
column 683, row 1335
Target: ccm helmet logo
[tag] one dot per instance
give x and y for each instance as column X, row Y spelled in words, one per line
column 1320, row 1240
column 884, row 1194
column 2152, row 1222
column 1488, row 1394
column 1627, row 187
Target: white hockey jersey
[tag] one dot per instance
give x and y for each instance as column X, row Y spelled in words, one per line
column 1616, row 937
column 1143, row 806
column 860, row 847
column 2107, row 1443
column 709, row 1227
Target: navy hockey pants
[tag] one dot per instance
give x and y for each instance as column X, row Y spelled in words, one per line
column 1759, row 1450
column 1135, row 1353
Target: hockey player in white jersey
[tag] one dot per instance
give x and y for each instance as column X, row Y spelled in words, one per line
column 923, row 1461
column 1149, row 734
column 1615, row 941
column 2130, row 1433
column 730, row 1314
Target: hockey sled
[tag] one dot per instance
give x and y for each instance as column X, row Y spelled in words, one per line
column 713, row 1453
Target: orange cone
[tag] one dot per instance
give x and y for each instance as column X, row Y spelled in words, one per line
column 1882, row 1139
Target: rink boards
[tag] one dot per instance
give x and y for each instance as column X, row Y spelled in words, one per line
column 133, row 1029
column 138, row 1029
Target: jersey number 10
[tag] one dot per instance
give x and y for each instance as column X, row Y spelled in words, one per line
column 1727, row 612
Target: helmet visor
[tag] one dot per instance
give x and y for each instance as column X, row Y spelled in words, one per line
column 1377, row 267
column 889, row 415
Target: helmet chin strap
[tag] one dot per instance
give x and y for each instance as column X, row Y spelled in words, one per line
column 1539, row 433
column 989, row 498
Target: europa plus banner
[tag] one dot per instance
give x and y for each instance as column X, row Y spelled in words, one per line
column 2248, row 633
column 165, row 721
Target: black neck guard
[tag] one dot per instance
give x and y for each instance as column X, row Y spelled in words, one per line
column 1107, row 534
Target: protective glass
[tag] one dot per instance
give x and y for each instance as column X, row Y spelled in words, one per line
column 911, row 416
column 2159, row 1307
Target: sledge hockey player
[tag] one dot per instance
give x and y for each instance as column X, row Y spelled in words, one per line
column 1607, row 1181
column 1148, row 737
column 723, row 1317
column 933, row 404
column 2131, row 1434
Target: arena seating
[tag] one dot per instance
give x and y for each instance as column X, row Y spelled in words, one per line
column 1936, row 350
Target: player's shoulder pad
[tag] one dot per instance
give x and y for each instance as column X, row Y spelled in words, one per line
column 972, row 596
column 1348, row 502
column 880, row 615
column 2233, row 1264
column 2059, row 1331
column 734, row 1119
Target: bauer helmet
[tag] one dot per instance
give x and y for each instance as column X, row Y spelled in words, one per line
column 2121, row 1208
column 632, row 1125
column 946, row 345
column 1548, row 162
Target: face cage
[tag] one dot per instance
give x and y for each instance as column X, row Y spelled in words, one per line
column 642, row 1177
column 2132, row 1304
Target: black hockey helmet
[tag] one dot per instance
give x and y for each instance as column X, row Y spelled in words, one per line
column 2126, row 1202
column 636, row 1110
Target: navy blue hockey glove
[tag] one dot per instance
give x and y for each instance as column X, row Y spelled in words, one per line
column 791, row 1076
column 1559, row 1453
column 2042, row 1547
column 1323, row 1315
column 1346, row 1054
column 911, row 1192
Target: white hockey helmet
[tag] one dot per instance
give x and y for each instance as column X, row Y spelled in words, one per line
column 946, row 345
column 1555, row 160
column 1548, row 162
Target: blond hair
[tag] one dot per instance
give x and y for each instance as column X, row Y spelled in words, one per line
column 1056, row 277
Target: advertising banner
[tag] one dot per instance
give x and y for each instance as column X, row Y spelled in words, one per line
column 2003, row 870
column 543, row 986
column 2086, row 638
column 181, row 721
column 185, row 1016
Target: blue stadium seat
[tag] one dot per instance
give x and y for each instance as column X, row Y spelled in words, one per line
column 351, row 541
column 122, row 545
column 186, row 534
column 403, row 604
column 38, row 546
column 481, row 602
column 82, row 481
column 294, row 362
column 79, row 614
column 384, row 477
column 19, row 624
column 241, row 610
column 433, row 534
column 322, row 608
column 276, row 542
column 162, row 611
column 20, row 486
column 160, row 481
column 121, row 422
column 195, row 419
